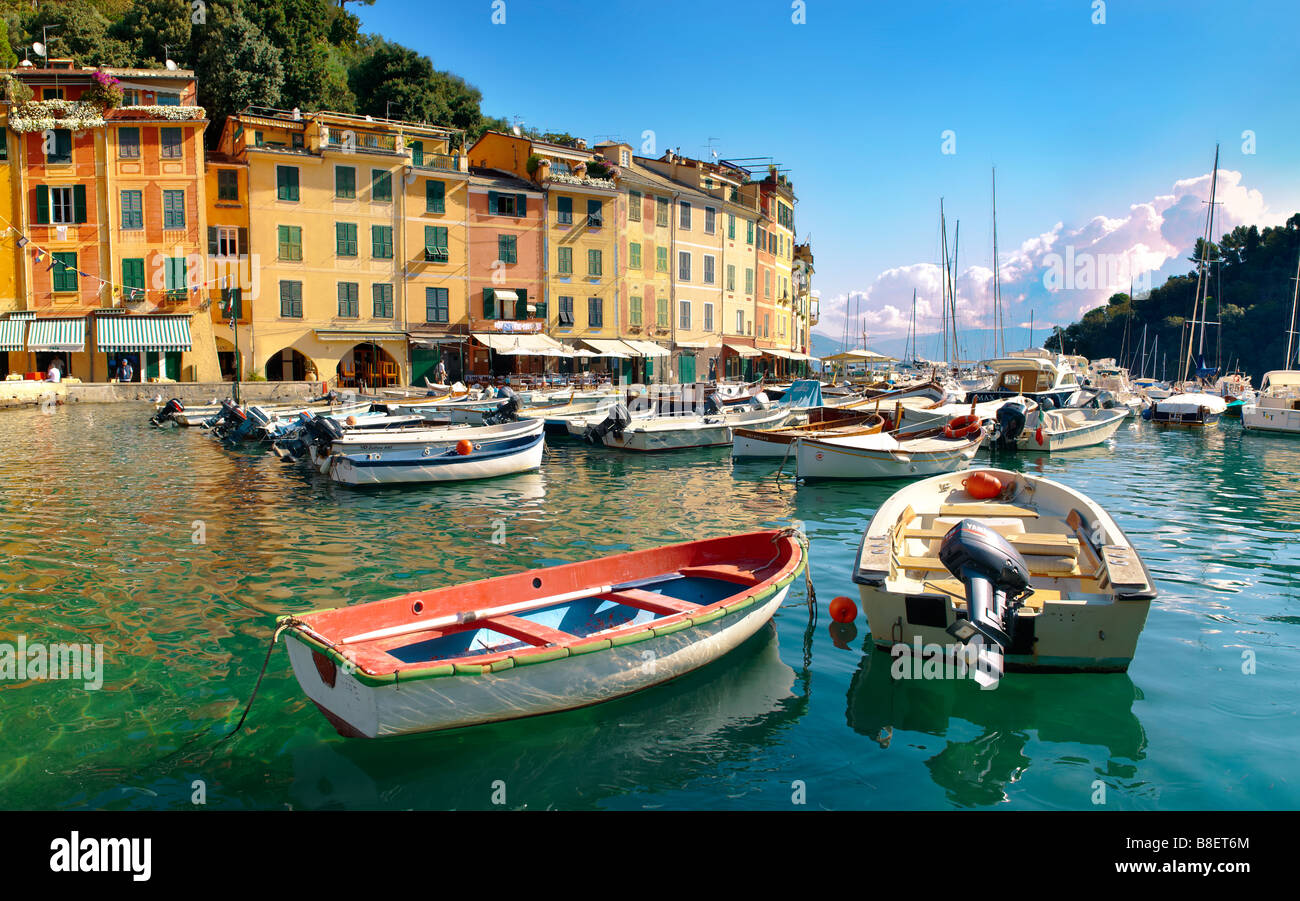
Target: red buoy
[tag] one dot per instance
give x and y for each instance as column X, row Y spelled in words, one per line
column 464, row 446
column 843, row 610
column 982, row 485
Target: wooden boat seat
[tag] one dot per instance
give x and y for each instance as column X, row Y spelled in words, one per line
column 1044, row 543
column 723, row 571
column 648, row 600
column 526, row 630
column 1057, row 567
column 1011, row 510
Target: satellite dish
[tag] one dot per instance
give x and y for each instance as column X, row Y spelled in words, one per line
column 517, row 131
column 171, row 66
column 38, row 48
column 27, row 64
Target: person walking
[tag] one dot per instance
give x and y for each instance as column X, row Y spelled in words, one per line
column 125, row 372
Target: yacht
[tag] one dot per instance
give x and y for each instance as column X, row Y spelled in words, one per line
column 1277, row 404
column 1041, row 378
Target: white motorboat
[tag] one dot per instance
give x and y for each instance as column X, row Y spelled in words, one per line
column 1061, row 430
column 1195, row 409
column 902, row 455
column 1277, row 404
column 1051, row 383
column 462, row 462
column 1039, row 573
column 662, row 433
column 326, row 440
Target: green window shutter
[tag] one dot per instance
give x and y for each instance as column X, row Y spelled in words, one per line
column 521, row 305
column 492, row 203
column 78, row 203
column 212, row 240
column 42, row 205
column 64, row 271
column 345, row 182
column 521, row 205
column 133, row 275
column 489, row 302
column 417, row 153
column 435, row 196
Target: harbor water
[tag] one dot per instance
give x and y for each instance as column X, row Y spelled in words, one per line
column 176, row 555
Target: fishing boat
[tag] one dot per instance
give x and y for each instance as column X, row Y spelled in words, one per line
column 890, row 455
column 1056, row 430
column 823, row 422
column 465, row 461
column 539, row 641
column 660, row 433
column 1027, row 564
column 1277, row 405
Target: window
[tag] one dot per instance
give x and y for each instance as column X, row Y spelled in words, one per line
column 595, row 312
column 228, row 184
column 435, row 244
column 633, row 205
column 175, row 278
column 417, row 153
column 767, row 282
column 435, row 196
column 595, row 218
column 661, row 312
column 62, row 206
column 661, row 259
column 133, row 279
column 130, row 97
column 173, row 209
column 740, row 322
column 710, row 220
column 291, row 299
column 286, row 183
column 708, row 269
column 634, row 310
column 437, row 306
column 128, row 143
column 731, row 226
column 749, row 281
column 564, row 210
column 169, row 143
column 634, row 255
column 749, row 233
column 565, row 260
column 508, row 248
column 566, row 311
column 507, row 204
column 661, row 211
column 767, row 318
column 381, row 296
column 296, row 140
column 762, row 239
column 381, row 242
column 345, row 239
column 345, row 182
column 731, row 277
column 52, row 94
column 708, row 317
column 59, row 150
column 290, row 243
column 381, row 185
column 489, row 304
column 169, row 98
column 625, row 157
column 683, row 314
column 64, row 271
column 683, row 265
column 349, row 300
column 685, row 218
column 594, row 263
column 227, row 241
column 132, row 209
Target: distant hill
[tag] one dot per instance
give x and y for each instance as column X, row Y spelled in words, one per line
column 976, row 344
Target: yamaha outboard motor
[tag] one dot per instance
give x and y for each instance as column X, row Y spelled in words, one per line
column 713, row 406
column 995, row 577
column 322, row 431
column 615, row 421
column 168, row 413
column 506, row 412
column 1011, row 423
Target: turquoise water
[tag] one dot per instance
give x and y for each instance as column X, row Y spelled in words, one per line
column 99, row 516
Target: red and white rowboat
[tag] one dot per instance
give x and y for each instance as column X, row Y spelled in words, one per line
column 539, row 641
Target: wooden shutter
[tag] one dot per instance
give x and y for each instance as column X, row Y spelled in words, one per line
column 42, row 205
column 492, row 203
column 212, row 240
column 521, row 204
column 488, row 303
column 78, row 203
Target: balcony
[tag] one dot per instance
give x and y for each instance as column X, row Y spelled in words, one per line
column 437, row 162
column 349, row 141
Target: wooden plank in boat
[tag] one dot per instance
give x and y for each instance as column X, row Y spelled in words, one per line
column 1025, row 542
column 988, row 510
column 1038, row 566
column 1123, row 565
column 723, row 572
column 957, row 591
column 648, row 600
column 526, row 630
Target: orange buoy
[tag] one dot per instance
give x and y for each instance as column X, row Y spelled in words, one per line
column 351, row 420
column 843, row 610
column 464, row 446
column 982, row 485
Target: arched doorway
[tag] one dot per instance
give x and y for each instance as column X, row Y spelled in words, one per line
column 289, row 365
column 368, row 365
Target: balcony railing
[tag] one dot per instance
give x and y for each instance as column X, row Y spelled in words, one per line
column 347, row 140
column 441, row 162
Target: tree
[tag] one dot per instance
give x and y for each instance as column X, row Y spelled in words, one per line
column 236, row 67
column 155, row 29
column 76, row 29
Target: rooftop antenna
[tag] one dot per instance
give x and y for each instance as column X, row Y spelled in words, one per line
column 167, row 58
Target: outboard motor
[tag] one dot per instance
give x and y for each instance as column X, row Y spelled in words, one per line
column 615, row 421
column 322, row 431
column 713, row 406
column 506, row 412
column 167, row 413
column 995, row 576
column 1011, row 423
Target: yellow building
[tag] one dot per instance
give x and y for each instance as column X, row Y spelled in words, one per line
column 356, row 236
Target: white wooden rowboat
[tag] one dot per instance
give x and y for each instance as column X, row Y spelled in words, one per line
column 884, row 455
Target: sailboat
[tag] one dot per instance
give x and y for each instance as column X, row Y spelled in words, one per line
column 1276, row 407
column 1194, row 405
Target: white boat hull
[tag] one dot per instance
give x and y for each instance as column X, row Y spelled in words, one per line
column 1088, row 435
column 448, row 702
column 374, row 469
column 1271, row 419
column 823, row 460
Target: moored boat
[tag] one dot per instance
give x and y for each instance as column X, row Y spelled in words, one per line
column 1029, row 565
column 1276, row 407
column 539, row 641
column 1058, row 430
column 465, row 461
column 897, row 455
column 823, row 422
column 1195, row 409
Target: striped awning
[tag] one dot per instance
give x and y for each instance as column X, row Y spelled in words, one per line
column 67, row 335
column 11, row 334
column 117, row 334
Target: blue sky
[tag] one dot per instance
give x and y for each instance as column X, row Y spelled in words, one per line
column 1082, row 120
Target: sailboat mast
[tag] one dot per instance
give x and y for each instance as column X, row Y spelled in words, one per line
column 997, row 279
column 1202, row 283
column 956, row 351
column 1291, row 326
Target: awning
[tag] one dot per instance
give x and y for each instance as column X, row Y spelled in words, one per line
column 742, row 350
column 783, row 354
column 606, row 347
column 437, row 340
column 523, row 344
column 11, row 334
column 691, row 345
column 117, row 334
column 67, row 335
column 358, row 336
column 504, row 294
column 648, row 348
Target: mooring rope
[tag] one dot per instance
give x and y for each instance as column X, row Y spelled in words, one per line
column 285, row 624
